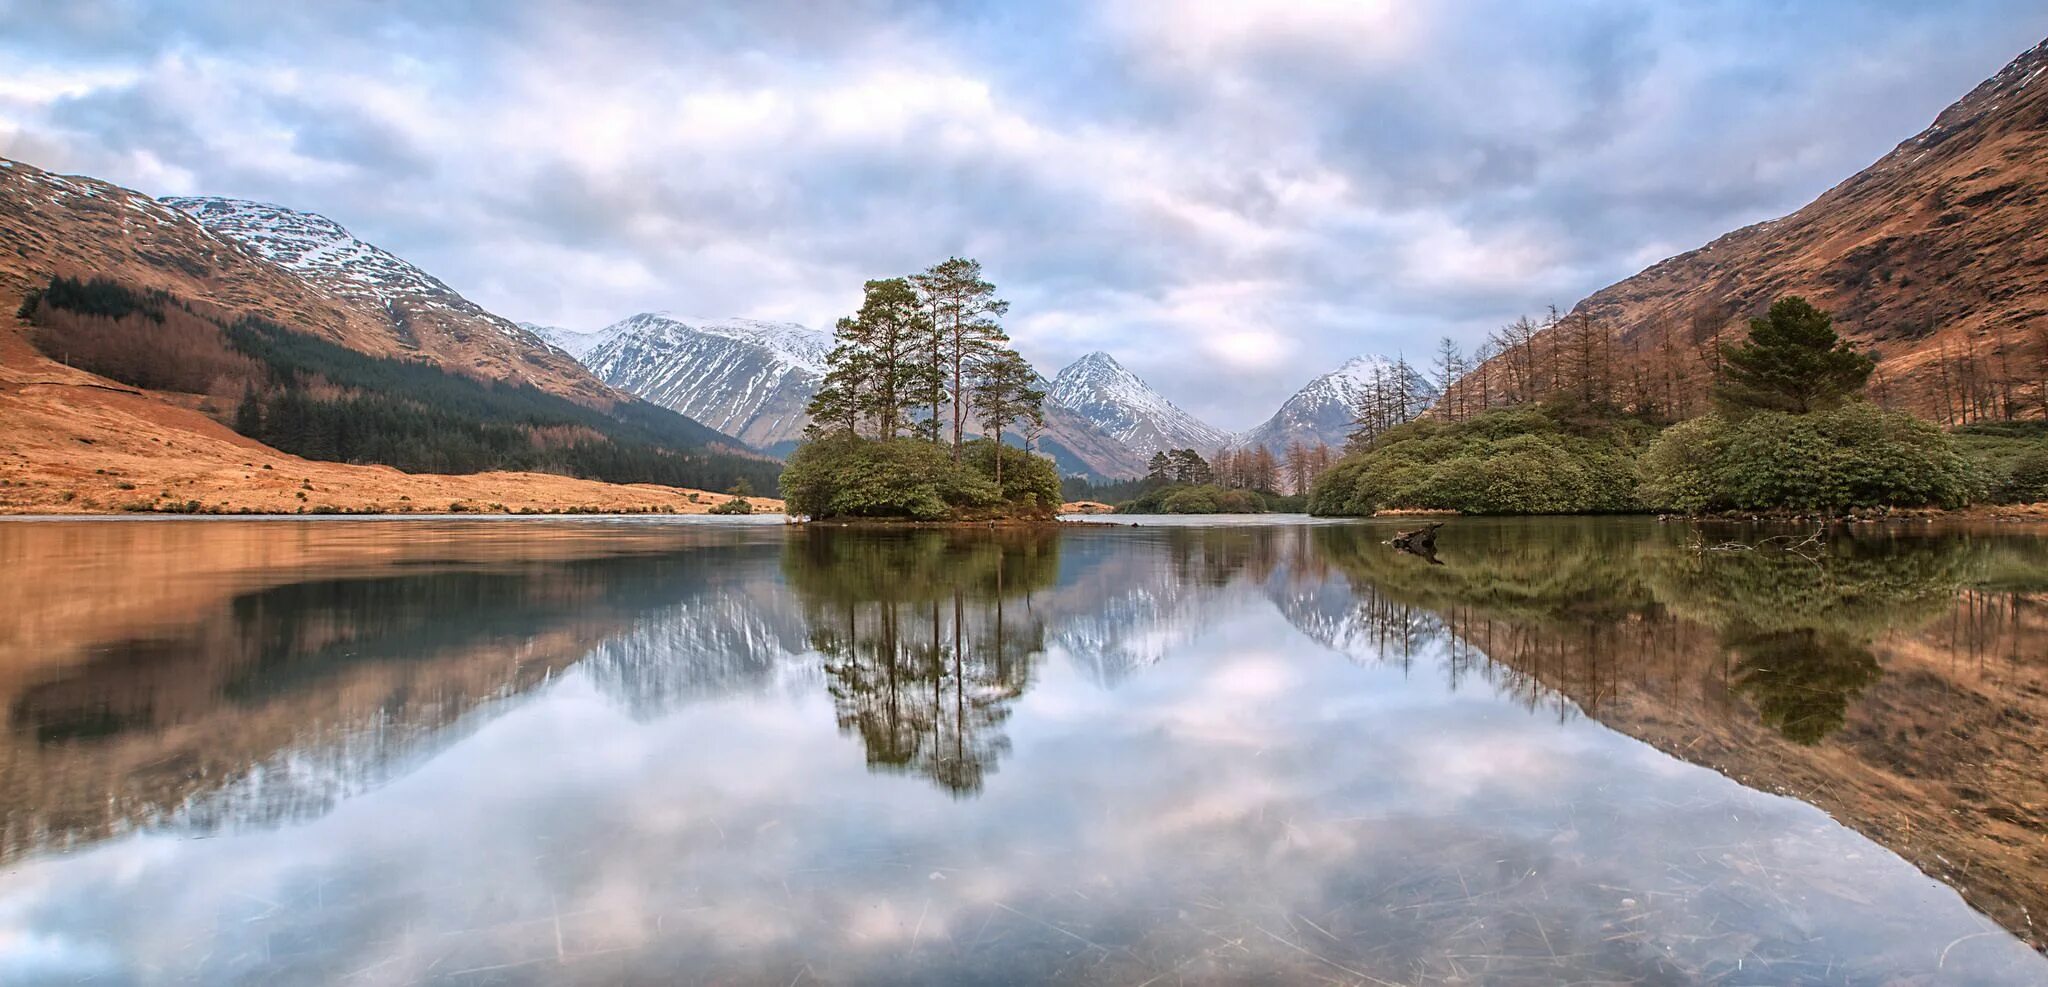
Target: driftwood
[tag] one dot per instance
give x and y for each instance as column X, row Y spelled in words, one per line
column 1420, row 541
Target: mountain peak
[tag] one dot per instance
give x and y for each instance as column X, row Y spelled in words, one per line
column 1121, row 404
column 326, row 253
column 1323, row 410
column 746, row 377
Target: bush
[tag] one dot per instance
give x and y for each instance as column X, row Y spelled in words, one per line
column 843, row 476
column 737, row 505
column 1195, row 499
column 1856, row 455
column 2027, row 480
column 1031, row 483
column 1515, row 461
column 2010, row 458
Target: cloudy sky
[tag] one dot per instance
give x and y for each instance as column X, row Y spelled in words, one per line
column 1229, row 197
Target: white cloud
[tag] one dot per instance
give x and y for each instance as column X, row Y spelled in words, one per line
column 1267, row 187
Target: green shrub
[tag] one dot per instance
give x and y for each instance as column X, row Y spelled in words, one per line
column 2010, row 458
column 842, row 476
column 1206, row 498
column 737, row 505
column 1549, row 460
column 2026, row 481
column 1030, row 484
column 1856, row 455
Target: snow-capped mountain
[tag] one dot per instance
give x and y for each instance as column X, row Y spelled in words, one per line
column 753, row 380
column 326, row 255
column 1324, row 410
column 1124, row 407
column 746, row 378
column 575, row 342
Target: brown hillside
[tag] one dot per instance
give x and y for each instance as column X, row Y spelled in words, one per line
column 55, row 224
column 1936, row 257
column 76, row 442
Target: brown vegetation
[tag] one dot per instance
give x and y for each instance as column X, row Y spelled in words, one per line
column 1935, row 257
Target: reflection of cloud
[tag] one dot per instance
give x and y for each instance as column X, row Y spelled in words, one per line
column 1382, row 172
column 1252, row 787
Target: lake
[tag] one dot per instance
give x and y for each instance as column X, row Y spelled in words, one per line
column 521, row 751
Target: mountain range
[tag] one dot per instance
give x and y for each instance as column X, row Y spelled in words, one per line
column 1936, row 257
column 752, row 380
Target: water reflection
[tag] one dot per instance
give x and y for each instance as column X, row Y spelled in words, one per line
column 927, row 637
column 602, row 752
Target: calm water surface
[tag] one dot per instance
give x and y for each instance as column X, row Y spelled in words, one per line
column 388, row 752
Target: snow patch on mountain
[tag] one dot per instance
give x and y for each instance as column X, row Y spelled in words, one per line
column 1123, row 406
column 575, row 342
column 323, row 252
column 1323, row 410
column 745, row 377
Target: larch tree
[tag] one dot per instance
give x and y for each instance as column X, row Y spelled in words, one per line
column 1297, row 465
column 1450, row 368
column 1262, row 469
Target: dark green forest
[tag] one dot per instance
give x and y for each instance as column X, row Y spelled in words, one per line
column 314, row 398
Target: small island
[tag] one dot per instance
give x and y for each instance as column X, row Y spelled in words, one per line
column 924, row 353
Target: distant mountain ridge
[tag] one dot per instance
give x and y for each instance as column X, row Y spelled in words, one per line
column 1323, row 411
column 752, row 379
column 327, row 255
column 747, row 378
column 1120, row 403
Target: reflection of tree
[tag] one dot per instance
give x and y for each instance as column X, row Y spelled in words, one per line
column 1563, row 602
column 1802, row 680
column 928, row 638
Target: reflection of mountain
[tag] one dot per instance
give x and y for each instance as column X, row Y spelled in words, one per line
column 211, row 675
column 274, row 702
column 1870, row 679
column 721, row 641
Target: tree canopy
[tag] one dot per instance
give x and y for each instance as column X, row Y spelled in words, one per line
column 876, row 446
column 1793, row 362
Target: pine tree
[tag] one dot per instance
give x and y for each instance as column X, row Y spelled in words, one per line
column 249, row 414
column 1793, row 361
column 1003, row 395
column 875, row 374
column 962, row 308
column 835, row 408
column 1160, row 468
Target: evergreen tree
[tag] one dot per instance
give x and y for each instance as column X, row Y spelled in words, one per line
column 875, row 374
column 249, row 414
column 1160, row 468
column 1190, row 467
column 835, row 408
column 1003, row 395
column 1793, row 362
column 962, row 308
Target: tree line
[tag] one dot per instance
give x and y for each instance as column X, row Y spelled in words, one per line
column 1674, row 371
column 314, row 398
column 925, row 357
